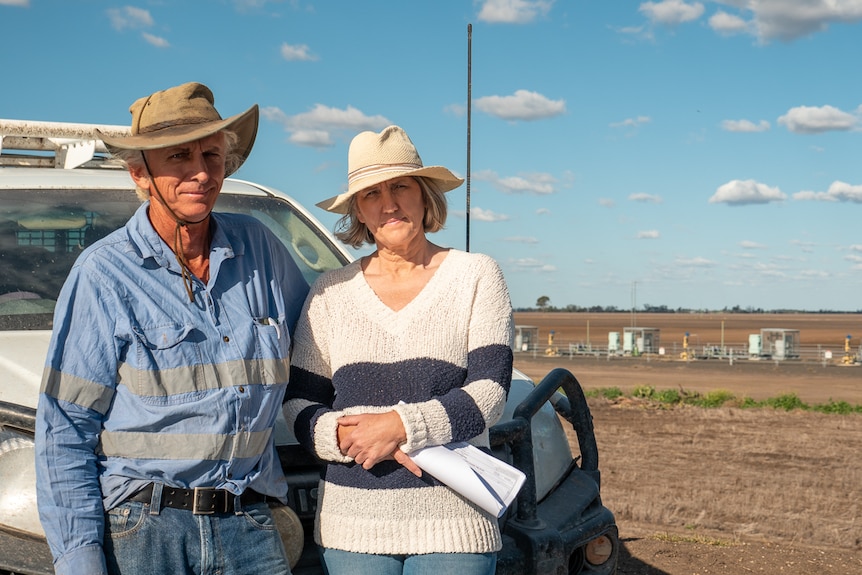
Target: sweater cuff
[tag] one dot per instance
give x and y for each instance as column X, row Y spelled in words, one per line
column 326, row 438
column 414, row 427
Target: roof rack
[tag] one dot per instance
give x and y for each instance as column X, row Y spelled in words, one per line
column 56, row 144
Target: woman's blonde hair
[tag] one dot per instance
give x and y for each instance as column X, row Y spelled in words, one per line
column 354, row 233
column 134, row 159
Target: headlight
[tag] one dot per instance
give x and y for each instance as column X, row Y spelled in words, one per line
column 599, row 550
column 18, row 483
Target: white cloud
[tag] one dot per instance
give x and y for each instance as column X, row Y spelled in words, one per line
column 814, row 120
column 646, row 198
column 639, row 32
column 487, row 215
column 728, row 24
column 319, row 126
column 297, row 53
column 770, row 270
column 311, row 138
column 750, row 245
column 513, row 11
column 632, row 122
column 838, row 192
column 457, row 110
column 671, row 12
column 531, row 264
column 744, row 192
column 785, row 20
column 522, row 105
column 804, row 246
column 537, row 183
column 855, row 248
column 607, row 202
column 460, row 214
column 248, row 4
column 543, row 212
column 808, row 195
column 649, row 235
column 19, row 3
column 156, row 41
column 814, row 274
column 521, row 239
column 744, row 126
column 695, row 262
column 791, row 19
column 129, row 17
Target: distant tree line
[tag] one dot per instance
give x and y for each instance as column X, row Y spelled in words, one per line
column 543, row 304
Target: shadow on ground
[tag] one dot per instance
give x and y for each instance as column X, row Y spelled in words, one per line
column 630, row 565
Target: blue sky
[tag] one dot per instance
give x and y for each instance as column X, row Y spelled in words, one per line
column 689, row 154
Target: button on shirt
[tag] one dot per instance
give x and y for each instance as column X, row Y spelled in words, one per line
column 143, row 385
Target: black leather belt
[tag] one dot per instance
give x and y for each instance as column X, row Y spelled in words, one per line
column 200, row 500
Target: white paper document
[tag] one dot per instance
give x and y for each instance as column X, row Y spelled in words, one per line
column 482, row 478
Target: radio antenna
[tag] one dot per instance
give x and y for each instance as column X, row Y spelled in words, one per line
column 469, row 109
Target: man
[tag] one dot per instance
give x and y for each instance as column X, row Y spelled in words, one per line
column 167, row 366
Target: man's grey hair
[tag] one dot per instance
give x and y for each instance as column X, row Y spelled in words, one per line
column 134, row 159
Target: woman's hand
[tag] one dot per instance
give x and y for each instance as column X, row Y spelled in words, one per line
column 370, row 438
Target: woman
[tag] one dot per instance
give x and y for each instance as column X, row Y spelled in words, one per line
column 405, row 348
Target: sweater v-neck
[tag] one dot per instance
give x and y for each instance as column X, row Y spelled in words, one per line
column 427, row 292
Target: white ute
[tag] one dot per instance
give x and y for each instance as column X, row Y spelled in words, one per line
column 59, row 192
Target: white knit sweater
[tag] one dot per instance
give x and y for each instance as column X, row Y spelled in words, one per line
column 447, row 355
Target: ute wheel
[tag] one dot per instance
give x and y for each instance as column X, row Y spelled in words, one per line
column 290, row 529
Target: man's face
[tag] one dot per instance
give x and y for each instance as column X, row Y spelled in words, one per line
column 188, row 176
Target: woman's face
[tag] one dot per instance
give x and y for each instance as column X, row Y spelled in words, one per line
column 393, row 211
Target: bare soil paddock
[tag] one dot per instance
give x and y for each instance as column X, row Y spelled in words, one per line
column 729, row 491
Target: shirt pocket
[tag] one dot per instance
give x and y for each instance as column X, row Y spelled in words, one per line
column 272, row 350
column 170, row 364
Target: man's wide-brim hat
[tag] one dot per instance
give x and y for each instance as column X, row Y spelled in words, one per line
column 180, row 115
column 374, row 158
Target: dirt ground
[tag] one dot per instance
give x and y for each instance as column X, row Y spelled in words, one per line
column 699, row 491
column 812, row 382
column 732, row 491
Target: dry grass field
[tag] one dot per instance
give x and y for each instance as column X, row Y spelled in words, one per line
column 725, row 490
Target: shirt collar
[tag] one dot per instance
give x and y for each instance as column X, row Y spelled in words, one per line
column 148, row 244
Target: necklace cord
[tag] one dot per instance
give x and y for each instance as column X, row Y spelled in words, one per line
column 178, row 247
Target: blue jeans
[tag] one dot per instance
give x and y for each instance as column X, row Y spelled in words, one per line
column 337, row 562
column 144, row 539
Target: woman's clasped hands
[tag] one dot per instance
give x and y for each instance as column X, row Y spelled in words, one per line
column 370, row 438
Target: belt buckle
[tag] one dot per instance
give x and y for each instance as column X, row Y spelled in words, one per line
column 204, row 493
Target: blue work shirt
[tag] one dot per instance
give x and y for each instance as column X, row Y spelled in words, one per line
column 142, row 385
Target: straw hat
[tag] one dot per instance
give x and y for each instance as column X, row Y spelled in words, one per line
column 180, row 115
column 375, row 158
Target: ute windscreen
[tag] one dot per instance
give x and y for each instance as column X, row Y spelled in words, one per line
column 42, row 232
